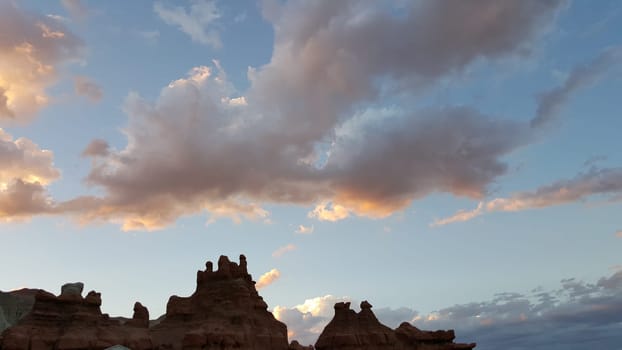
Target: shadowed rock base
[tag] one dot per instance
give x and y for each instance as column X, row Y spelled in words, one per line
column 349, row 330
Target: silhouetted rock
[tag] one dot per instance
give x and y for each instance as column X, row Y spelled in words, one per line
column 295, row 345
column 224, row 312
column 351, row 330
column 71, row 322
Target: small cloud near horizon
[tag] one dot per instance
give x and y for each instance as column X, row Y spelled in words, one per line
column 268, row 278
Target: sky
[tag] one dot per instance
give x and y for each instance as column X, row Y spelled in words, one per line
column 456, row 164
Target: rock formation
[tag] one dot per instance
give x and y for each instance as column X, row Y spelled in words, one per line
column 351, row 330
column 225, row 312
column 70, row 321
column 15, row 305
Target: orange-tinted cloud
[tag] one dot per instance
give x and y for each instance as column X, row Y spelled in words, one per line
column 284, row 249
column 202, row 146
column 268, row 278
column 31, row 49
column 607, row 182
column 25, row 170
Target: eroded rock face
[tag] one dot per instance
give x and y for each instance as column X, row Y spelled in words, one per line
column 225, row 312
column 351, row 330
column 70, row 322
column 15, row 305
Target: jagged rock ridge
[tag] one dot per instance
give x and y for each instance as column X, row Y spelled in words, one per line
column 362, row 331
column 224, row 312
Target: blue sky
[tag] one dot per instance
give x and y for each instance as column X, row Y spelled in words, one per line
column 422, row 155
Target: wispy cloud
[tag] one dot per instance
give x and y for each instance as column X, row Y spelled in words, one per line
column 282, row 250
column 77, row 8
column 268, row 278
column 606, row 182
column 305, row 230
column 84, row 86
column 550, row 102
column 198, row 21
column 461, row 215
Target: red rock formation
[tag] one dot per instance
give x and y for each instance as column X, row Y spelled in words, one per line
column 224, row 312
column 71, row 322
column 351, row 330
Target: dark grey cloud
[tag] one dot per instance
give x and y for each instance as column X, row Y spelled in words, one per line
column 576, row 316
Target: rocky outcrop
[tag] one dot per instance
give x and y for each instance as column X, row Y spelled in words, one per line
column 224, row 312
column 295, row 345
column 70, row 322
column 351, row 330
column 14, row 305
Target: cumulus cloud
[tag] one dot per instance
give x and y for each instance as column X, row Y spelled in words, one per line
column 575, row 316
column 550, row 102
column 306, row 131
column 305, row 230
column 284, row 249
column 32, row 47
column 306, row 321
column 84, row 86
column 198, row 21
column 604, row 182
column 268, row 278
column 25, row 170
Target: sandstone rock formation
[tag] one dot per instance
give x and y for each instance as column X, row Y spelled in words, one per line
column 14, row 305
column 70, row 321
column 351, row 330
column 225, row 312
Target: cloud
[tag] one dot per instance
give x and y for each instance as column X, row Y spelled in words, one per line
column 198, row 21
column 32, row 47
column 619, row 234
column 150, row 36
column 25, row 170
column 329, row 212
column 305, row 230
column 282, row 250
column 86, row 87
column 307, row 131
column 268, row 278
column 604, row 182
column 77, row 8
column 550, row 102
column 461, row 215
column 577, row 315
column 97, row 148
